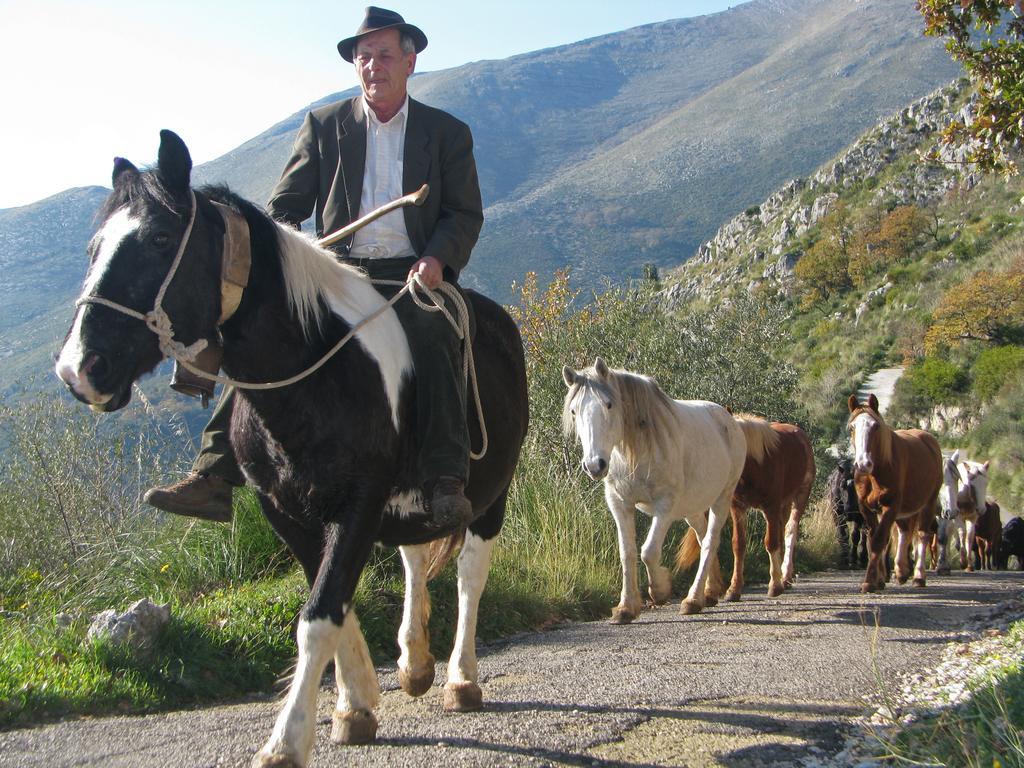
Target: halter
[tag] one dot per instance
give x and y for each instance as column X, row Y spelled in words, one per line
column 233, row 281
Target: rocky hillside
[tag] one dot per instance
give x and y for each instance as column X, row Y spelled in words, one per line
column 763, row 243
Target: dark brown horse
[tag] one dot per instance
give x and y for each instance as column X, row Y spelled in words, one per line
column 898, row 474
column 989, row 535
column 777, row 479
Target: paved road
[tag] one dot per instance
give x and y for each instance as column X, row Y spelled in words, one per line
column 757, row 683
column 881, row 384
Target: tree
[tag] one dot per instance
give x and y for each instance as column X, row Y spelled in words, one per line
column 822, row 272
column 987, row 37
column 891, row 242
column 988, row 306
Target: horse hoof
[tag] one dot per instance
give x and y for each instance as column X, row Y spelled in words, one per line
column 710, row 601
column 787, row 584
column 733, row 597
column 419, row 682
column 775, row 591
column 462, row 697
column 942, row 571
column 867, row 587
column 356, row 726
column 622, row 616
column 919, row 583
column 688, row 607
column 274, row 761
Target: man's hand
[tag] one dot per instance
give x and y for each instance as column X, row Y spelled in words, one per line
column 430, row 270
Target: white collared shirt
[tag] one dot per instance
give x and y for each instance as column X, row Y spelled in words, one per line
column 387, row 237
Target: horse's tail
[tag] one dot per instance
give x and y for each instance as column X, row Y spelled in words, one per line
column 761, row 438
column 442, row 550
column 688, row 552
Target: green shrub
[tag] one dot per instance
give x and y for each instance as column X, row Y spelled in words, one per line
column 994, row 367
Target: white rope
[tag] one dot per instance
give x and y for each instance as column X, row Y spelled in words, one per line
column 159, row 323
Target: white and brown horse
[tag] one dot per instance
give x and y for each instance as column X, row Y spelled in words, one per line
column 898, row 473
column 777, row 478
column 670, row 459
column 970, row 503
column 329, row 456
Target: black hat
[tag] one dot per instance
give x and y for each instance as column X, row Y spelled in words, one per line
column 381, row 18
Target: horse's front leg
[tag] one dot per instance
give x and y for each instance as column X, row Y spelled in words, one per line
column 879, row 528
column 922, row 536
column 792, row 534
column 738, row 512
column 942, row 545
column 462, row 691
column 659, row 582
column 624, row 513
column 773, row 546
column 319, row 635
column 696, row 599
column 967, row 552
column 904, row 530
column 415, row 662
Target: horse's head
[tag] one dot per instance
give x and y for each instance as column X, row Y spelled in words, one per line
column 869, row 435
column 590, row 411
column 975, row 478
column 950, row 485
column 143, row 224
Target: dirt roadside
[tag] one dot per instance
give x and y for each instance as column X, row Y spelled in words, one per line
column 762, row 682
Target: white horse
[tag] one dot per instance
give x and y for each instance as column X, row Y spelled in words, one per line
column 949, row 513
column 970, row 504
column 670, row 459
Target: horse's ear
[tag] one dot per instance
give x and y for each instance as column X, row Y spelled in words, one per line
column 121, row 167
column 851, row 403
column 174, row 164
column 601, row 367
column 569, row 375
column 873, row 402
column 985, row 466
column 955, row 458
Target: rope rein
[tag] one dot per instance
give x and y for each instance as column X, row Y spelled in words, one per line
column 159, row 323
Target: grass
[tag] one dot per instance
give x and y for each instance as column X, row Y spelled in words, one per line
column 981, row 732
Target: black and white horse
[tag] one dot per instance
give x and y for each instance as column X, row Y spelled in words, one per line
column 329, row 455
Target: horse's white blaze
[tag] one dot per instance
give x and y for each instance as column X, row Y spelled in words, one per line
column 596, row 432
column 474, row 563
column 117, row 227
column 312, row 272
column 862, row 459
column 295, row 727
column 358, row 688
column 412, row 634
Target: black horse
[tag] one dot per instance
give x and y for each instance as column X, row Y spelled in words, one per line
column 330, row 455
column 842, row 499
column 1012, row 544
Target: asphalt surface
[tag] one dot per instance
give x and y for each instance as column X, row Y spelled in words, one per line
column 762, row 682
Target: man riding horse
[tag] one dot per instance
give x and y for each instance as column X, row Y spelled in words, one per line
column 348, row 159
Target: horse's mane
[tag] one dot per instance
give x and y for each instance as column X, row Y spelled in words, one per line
column 313, row 277
column 648, row 418
column 761, row 438
column 884, row 431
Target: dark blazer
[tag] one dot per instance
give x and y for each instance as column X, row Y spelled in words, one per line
column 325, row 175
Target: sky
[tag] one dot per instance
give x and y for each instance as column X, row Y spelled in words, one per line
column 83, row 82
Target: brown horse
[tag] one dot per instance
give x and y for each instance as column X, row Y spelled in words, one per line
column 777, row 479
column 989, row 535
column 898, row 474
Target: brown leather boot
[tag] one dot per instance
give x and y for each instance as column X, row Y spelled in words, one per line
column 207, row 497
column 449, row 506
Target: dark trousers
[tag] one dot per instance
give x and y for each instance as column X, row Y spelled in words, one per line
column 440, row 390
